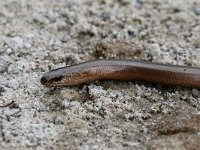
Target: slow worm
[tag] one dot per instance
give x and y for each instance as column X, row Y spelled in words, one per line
column 123, row 70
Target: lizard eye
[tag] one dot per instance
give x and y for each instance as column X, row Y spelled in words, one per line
column 43, row 80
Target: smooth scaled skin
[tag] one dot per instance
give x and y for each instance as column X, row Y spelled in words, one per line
column 123, row 70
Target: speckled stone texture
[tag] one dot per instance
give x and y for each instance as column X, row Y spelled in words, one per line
column 37, row 36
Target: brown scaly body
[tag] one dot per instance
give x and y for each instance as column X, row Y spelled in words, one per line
column 123, row 70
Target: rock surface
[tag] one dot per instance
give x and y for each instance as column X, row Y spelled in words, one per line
column 37, row 36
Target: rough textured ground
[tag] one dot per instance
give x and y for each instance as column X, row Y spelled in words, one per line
column 36, row 36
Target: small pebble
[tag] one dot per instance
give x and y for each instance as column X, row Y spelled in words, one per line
column 9, row 50
column 58, row 120
column 140, row 1
column 154, row 49
column 1, row 90
column 18, row 41
column 14, row 84
column 197, row 11
column 27, row 45
column 65, row 104
column 195, row 93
